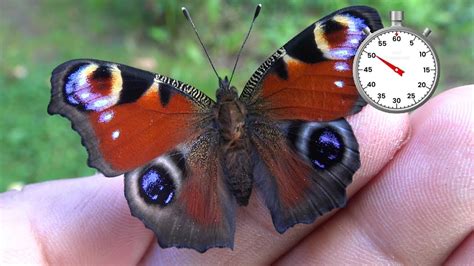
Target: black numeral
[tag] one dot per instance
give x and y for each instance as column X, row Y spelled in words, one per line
column 397, row 100
column 368, row 69
column 381, row 95
column 411, row 95
column 421, row 84
column 426, row 70
column 382, row 43
column 396, row 38
column 371, row 84
column 422, row 54
column 371, row 55
column 412, row 42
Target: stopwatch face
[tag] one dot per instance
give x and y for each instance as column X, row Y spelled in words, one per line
column 396, row 70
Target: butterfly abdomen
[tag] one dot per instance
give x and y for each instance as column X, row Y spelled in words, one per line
column 238, row 168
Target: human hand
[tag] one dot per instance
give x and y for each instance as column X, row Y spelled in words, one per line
column 412, row 202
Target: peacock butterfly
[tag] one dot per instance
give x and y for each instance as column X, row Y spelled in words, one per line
column 189, row 161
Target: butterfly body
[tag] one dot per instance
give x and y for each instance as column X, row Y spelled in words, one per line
column 234, row 144
column 190, row 161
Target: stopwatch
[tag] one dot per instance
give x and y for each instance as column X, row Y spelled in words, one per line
column 396, row 69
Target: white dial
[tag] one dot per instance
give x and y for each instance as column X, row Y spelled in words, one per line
column 396, row 70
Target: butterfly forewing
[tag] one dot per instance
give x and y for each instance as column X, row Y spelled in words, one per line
column 125, row 116
column 310, row 77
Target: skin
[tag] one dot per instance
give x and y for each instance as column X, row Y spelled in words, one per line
column 412, row 202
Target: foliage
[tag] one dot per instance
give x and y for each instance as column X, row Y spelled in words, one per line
column 35, row 36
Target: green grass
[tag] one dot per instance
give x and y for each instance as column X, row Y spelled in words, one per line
column 36, row 37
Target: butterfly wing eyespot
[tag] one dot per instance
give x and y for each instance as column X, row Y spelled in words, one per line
column 183, row 199
column 322, row 144
column 125, row 116
column 156, row 186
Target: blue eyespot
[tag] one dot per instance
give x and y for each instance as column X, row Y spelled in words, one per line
column 325, row 148
column 157, row 187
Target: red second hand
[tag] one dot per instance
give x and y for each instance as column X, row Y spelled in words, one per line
column 394, row 68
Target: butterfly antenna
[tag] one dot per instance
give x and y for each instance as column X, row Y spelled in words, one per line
column 188, row 17
column 257, row 11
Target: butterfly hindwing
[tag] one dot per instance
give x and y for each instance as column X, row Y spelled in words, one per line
column 182, row 197
column 304, row 168
column 310, row 77
column 125, row 116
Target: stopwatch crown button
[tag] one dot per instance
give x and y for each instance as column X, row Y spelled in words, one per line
column 426, row 32
column 396, row 17
column 366, row 30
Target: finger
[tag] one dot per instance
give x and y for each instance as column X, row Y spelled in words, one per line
column 463, row 254
column 256, row 241
column 74, row 221
column 419, row 208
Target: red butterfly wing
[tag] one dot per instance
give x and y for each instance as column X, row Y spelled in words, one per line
column 125, row 116
column 310, row 77
column 306, row 166
column 183, row 198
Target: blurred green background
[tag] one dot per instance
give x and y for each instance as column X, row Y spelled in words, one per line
column 37, row 35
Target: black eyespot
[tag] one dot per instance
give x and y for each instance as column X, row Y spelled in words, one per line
column 325, row 148
column 165, row 91
column 134, row 83
column 333, row 26
column 280, row 69
column 157, row 187
column 304, row 48
column 102, row 73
